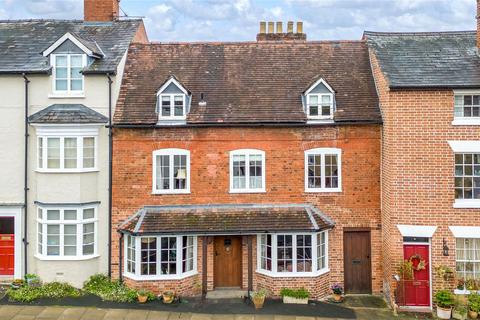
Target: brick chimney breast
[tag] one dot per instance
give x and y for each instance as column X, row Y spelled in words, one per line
column 268, row 33
column 100, row 10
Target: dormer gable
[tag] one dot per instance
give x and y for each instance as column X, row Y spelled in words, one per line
column 319, row 101
column 88, row 47
column 173, row 101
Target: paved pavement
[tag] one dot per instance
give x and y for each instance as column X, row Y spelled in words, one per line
column 13, row 312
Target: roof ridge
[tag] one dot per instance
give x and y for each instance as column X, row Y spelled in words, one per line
column 66, row 20
column 158, row 43
column 418, row 33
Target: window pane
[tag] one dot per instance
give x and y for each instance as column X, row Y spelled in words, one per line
column 326, row 100
column 148, row 256
column 321, row 261
column 70, row 240
column 61, row 61
column 178, row 106
column 284, row 253
column 255, row 178
column 88, row 238
column 163, row 172
column 53, row 240
column 188, row 255
column 131, row 259
column 239, row 172
column 40, row 152
column 88, row 213
column 304, row 253
column 331, row 171
column 168, row 256
column 76, row 60
column 40, row 238
column 89, row 152
column 70, row 214
column 313, row 100
column 53, row 214
column 53, row 153
column 165, row 106
column 70, row 152
column 313, row 110
column 314, row 171
column 180, row 171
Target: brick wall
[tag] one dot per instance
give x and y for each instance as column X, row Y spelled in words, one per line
column 418, row 171
column 100, row 10
column 358, row 205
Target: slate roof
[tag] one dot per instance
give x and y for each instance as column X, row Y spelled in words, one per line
column 248, row 82
column 427, row 60
column 23, row 41
column 226, row 218
column 67, row 113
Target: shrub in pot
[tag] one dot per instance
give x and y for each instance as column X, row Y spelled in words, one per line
column 258, row 298
column 337, row 292
column 473, row 305
column 460, row 310
column 142, row 295
column 444, row 300
column 299, row 296
column 168, row 296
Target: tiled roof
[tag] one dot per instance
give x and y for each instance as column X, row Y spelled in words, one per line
column 433, row 59
column 23, row 41
column 249, row 82
column 234, row 218
column 67, row 113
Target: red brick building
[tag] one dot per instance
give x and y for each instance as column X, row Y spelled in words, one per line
column 429, row 91
column 248, row 165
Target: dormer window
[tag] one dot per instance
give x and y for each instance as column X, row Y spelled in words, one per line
column 172, row 101
column 319, row 101
column 67, row 72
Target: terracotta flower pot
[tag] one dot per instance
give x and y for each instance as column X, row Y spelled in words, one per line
column 258, row 301
column 168, row 297
column 337, row 297
column 472, row 314
column 142, row 299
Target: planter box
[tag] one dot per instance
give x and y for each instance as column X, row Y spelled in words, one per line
column 291, row 300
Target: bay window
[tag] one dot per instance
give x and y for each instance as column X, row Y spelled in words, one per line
column 160, row 257
column 69, row 154
column 323, row 170
column 293, row 254
column 171, row 171
column 66, row 232
column 247, row 170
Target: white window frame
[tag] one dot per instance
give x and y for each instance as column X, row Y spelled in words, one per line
column 160, row 94
column 44, row 160
column 69, row 91
column 322, row 152
column 43, row 223
column 477, row 261
column 247, row 153
column 462, row 120
column 464, row 146
column 179, row 275
column 294, row 273
column 319, row 97
column 170, row 152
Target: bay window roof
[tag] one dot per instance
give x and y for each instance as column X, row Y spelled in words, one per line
column 226, row 219
column 67, row 113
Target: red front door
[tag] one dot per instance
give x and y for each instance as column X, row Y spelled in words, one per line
column 417, row 291
column 7, row 246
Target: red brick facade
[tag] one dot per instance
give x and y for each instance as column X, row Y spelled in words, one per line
column 357, row 206
column 418, row 172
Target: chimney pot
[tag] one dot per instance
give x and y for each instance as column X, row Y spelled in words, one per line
column 290, row 27
column 279, row 27
column 271, row 27
column 299, row 27
column 263, row 27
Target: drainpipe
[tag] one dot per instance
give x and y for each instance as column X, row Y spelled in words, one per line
column 25, row 175
column 110, row 148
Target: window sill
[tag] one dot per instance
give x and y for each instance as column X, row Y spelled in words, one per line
column 66, row 95
column 464, row 291
column 171, row 122
column 466, row 204
column 247, row 191
column 65, row 171
column 68, row 258
column 320, row 121
column 293, row 274
column 155, row 192
column 159, row 277
column 307, row 190
column 473, row 121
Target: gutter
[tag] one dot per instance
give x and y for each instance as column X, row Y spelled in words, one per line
column 25, row 187
column 110, row 149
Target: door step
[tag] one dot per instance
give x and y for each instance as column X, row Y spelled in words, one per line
column 414, row 309
column 226, row 294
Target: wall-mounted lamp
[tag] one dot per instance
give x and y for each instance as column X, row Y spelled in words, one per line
column 445, row 248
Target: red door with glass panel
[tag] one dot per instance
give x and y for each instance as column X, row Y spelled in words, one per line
column 7, row 246
column 417, row 290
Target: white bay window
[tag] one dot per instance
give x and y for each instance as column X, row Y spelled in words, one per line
column 291, row 255
column 160, row 257
column 66, row 233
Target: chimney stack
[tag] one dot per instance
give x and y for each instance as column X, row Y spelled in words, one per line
column 268, row 33
column 100, row 10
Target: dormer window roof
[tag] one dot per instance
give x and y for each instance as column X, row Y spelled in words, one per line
column 173, row 101
column 319, row 101
column 89, row 47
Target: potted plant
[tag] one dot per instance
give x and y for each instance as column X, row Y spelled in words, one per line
column 460, row 310
column 461, row 284
column 444, row 300
column 299, row 296
column 405, row 269
column 17, row 283
column 168, row 296
column 473, row 305
column 337, row 292
column 445, row 272
column 258, row 298
column 142, row 295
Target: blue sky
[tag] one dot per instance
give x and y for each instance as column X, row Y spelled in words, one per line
column 222, row 20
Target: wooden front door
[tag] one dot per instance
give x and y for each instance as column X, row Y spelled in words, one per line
column 228, row 261
column 357, row 263
column 417, row 290
column 7, row 246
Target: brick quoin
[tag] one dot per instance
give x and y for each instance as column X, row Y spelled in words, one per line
column 358, row 205
column 418, row 172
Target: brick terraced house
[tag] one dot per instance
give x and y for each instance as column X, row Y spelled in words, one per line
column 248, row 165
column 429, row 91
